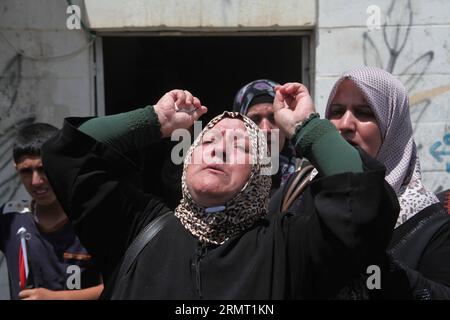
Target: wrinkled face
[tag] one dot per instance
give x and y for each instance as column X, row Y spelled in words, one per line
column 351, row 114
column 32, row 175
column 262, row 114
column 220, row 164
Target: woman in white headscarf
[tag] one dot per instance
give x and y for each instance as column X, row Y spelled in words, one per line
column 370, row 109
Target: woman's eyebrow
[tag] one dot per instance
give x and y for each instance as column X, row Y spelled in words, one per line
column 364, row 106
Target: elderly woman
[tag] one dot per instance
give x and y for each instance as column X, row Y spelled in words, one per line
column 220, row 243
column 370, row 109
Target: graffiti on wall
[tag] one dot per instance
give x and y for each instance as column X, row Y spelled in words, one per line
column 13, row 116
column 395, row 35
column 439, row 151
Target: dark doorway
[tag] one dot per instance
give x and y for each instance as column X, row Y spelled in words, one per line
column 139, row 70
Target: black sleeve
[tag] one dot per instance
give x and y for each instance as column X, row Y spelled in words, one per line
column 398, row 281
column 432, row 279
column 346, row 226
column 419, row 257
column 435, row 262
column 97, row 189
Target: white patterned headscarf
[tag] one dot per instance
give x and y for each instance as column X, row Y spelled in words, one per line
column 245, row 209
column 388, row 99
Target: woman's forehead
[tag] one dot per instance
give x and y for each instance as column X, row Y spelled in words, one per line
column 348, row 87
column 348, row 93
column 229, row 125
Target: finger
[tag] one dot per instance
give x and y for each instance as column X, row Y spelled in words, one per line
column 287, row 85
column 189, row 98
column 290, row 88
column 197, row 103
column 178, row 96
column 297, row 88
column 173, row 96
column 199, row 112
column 289, row 100
column 288, row 92
column 278, row 101
column 26, row 292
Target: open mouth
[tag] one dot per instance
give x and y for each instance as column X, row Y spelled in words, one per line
column 214, row 168
column 41, row 192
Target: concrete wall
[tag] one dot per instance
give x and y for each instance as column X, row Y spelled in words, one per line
column 420, row 57
column 163, row 14
column 4, row 282
column 35, row 86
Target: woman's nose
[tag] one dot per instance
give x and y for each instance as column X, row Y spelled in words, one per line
column 347, row 122
column 265, row 125
column 218, row 151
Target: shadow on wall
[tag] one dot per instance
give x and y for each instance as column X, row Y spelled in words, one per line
column 12, row 118
column 399, row 15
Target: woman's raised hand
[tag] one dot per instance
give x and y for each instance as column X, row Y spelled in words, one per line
column 292, row 105
column 178, row 109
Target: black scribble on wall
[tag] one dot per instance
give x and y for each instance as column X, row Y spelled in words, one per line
column 398, row 42
column 9, row 85
column 12, row 118
column 396, row 32
column 10, row 183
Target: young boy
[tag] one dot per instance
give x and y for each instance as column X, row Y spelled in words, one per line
column 45, row 258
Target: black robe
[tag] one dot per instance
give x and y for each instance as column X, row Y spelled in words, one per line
column 417, row 262
column 347, row 225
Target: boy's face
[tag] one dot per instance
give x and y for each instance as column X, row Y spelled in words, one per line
column 263, row 115
column 32, row 175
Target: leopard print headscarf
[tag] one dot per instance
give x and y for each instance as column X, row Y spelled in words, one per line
column 245, row 209
column 388, row 99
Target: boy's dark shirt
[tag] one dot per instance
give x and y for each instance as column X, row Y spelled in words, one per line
column 50, row 253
